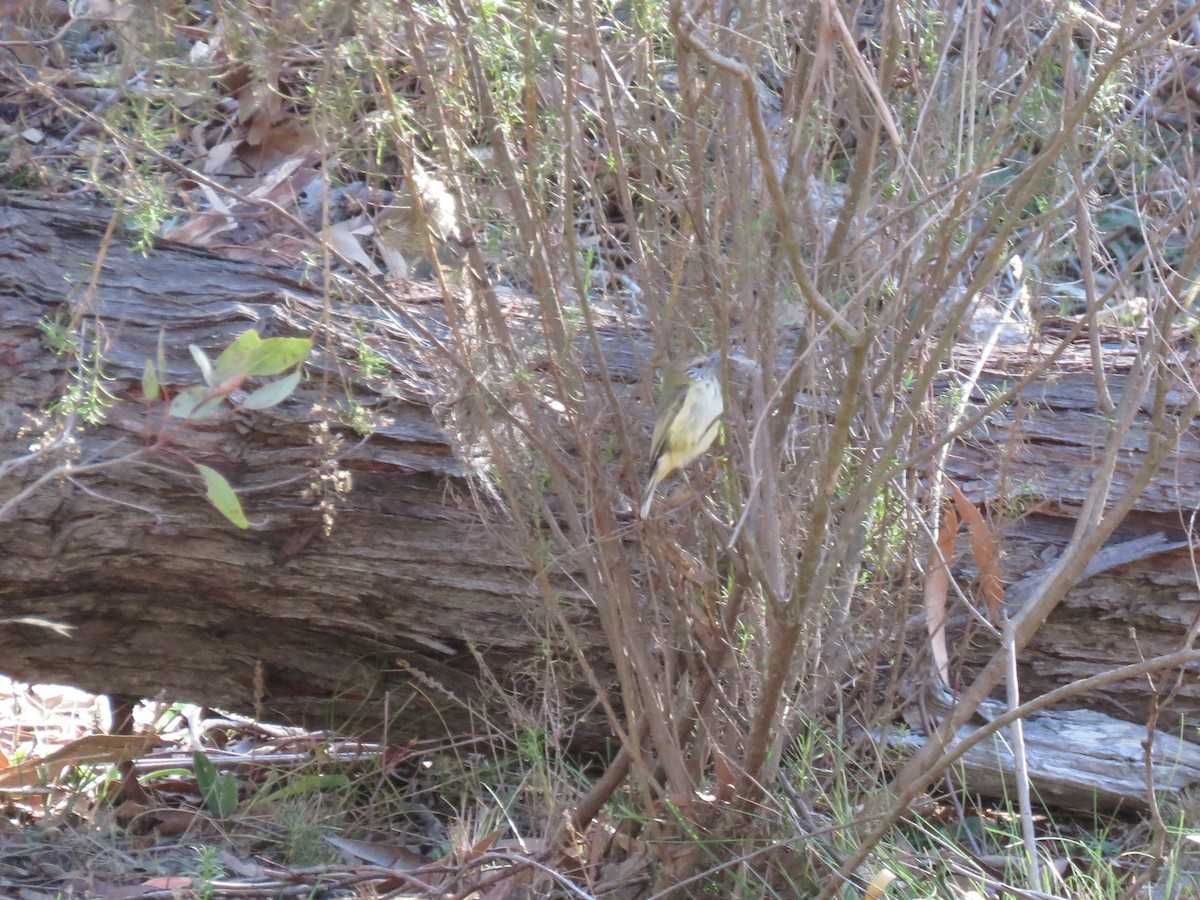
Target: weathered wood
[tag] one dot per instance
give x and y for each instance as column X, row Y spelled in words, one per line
column 1078, row 759
column 1137, row 600
column 1039, row 458
column 167, row 597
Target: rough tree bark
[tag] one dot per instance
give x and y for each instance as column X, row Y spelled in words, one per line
column 1144, row 598
column 410, row 593
column 406, row 596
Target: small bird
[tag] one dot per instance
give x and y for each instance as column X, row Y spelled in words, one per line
column 688, row 419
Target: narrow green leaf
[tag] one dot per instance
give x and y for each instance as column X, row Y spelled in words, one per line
column 221, row 495
column 275, row 392
column 304, row 784
column 235, row 359
column 275, row 355
column 161, row 357
column 201, row 359
column 150, row 383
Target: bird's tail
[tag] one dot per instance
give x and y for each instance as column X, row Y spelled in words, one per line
column 649, row 495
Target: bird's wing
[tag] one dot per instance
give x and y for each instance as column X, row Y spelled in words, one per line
column 661, row 427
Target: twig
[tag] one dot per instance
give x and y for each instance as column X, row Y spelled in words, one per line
column 685, row 28
column 1033, row 871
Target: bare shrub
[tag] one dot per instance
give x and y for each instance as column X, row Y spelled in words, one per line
column 832, row 199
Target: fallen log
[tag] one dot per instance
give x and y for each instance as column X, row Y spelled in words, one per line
column 409, row 597
column 366, row 582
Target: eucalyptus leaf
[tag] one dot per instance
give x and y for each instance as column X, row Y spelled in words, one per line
column 150, row 385
column 201, row 358
column 221, row 495
column 236, row 358
column 273, row 393
column 207, row 407
column 185, row 402
column 276, row 355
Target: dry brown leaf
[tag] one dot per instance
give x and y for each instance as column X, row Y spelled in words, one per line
column 534, row 846
column 279, row 185
column 174, row 822
column 92, row 750
column 283, row 140
column 341, row 237
column 22, row 13
column 514, row 885
column 244, row 868
column 159, row 821
column 130, row 891
column 27, row 54
column 110, row 11
column 131, row 788
column 200, row 229
column 259, row 104
column 169, row 883
column 480, row 847
column 387, row 855
column 217, row 156
column 128, row 811
column 626, row 878
column 218, row 204
column 393, row 258
column 278, row 249
column 986, row 547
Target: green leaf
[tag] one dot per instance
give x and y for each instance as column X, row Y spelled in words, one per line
column 305, row 784
column 276, row 355
column 201, row 359
column 221, row 495
column 150, row 385
column 170, row 773
column 218, row 791
column 206, row 772
column 194, row 403
column 235, row 359
column 185, row 401
column 207, row 408
column 275, row 392
column 226, row 797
